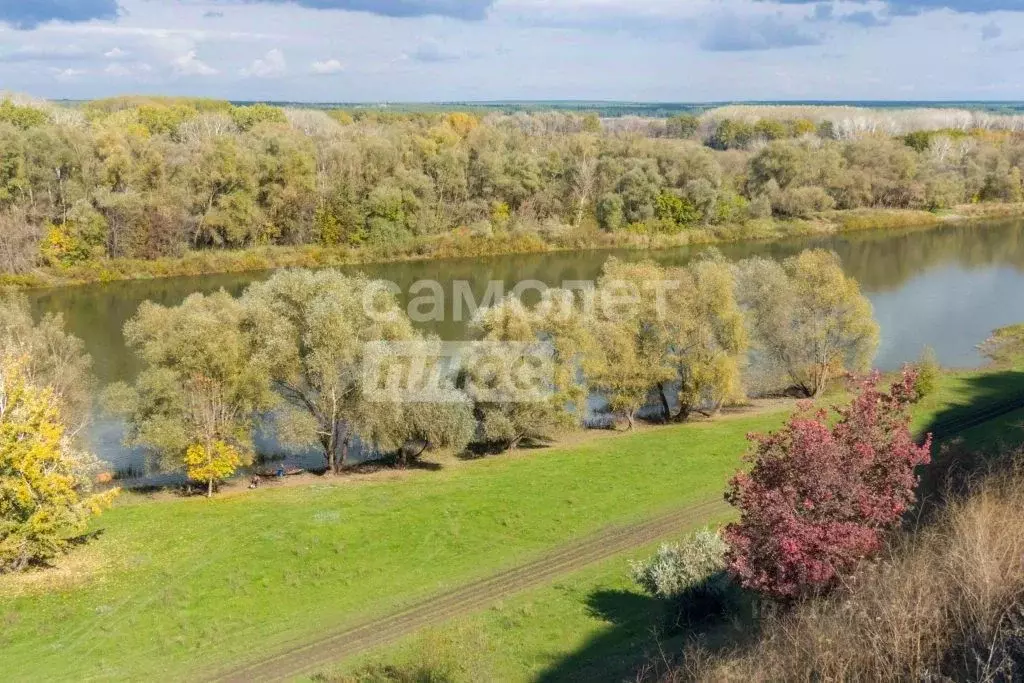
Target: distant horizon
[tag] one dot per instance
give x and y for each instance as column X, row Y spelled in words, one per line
column 867, row 103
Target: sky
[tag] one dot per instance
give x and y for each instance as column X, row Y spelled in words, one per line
column 478, row 50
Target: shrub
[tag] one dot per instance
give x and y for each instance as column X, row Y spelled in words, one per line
column 689, row 575
column 928, row 371
column 23, row 117
column 440, row 657
column 919, row 140
column 387, row 236
column 610, row 212
column 678, row 568
column 820, row 497
column 803, row 202
column 247, row 118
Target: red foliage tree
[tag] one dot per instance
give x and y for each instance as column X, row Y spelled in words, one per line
column 819, row 498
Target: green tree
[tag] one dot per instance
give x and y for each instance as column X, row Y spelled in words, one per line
column 508, row 412
column 630, row 358
column 676, row 211
column 919, row 140
column 22, row 117
column 247, row 118
column 411, row 428
column 682, row 126
column 222, row 183
column 286, row 184
column 707, row 336
column 809, row 321
column 314, row 329
column 204, row 382
column 14, row 180
column 771, row 129
column 610, row 212
column 161, row 119
column 731, row 134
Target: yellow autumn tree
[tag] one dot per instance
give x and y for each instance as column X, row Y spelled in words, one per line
column 44, row 498
column 212, row 464
column 462, row 123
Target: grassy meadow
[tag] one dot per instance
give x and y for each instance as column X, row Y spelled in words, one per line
column 183, row 585
column 597, row 623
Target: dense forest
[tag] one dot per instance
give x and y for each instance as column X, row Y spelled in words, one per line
column 151, row 178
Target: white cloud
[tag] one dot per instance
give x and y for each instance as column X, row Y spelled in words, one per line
column 126, row 70
column 271, row 65
column 189, row 64
column 651, row 50
column 330, row 66
column 68, row 74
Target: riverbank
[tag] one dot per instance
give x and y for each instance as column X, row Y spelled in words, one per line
column 464, row 244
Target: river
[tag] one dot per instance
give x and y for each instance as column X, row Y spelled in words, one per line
column 945, row 287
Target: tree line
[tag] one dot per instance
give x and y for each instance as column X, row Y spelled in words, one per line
column 148, row 178
column 290, row 354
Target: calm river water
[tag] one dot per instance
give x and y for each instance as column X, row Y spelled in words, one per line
column 946, row 288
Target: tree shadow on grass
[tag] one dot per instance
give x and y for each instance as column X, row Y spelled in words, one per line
column 635, row 622
column 976, row 435
column 641, row 630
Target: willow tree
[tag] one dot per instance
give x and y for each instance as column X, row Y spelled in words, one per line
column 315, row 329
column 665, row 331
column 707, row 336
column 204, row 382
column 631, row 325
column 810, row 322
column 411, row 428
column 554, row 339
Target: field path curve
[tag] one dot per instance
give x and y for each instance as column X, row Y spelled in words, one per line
column 322, row 651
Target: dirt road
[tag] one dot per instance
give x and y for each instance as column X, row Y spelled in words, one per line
column 320, row 652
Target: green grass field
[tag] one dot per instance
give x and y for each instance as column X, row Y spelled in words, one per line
column 597, row 624
column 593, row 625
column 173, row 588
column 182, row 584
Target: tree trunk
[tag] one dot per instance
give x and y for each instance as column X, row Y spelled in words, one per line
column 209, row 488
column 629, row 420
column 344, row 455
column 665, row 404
